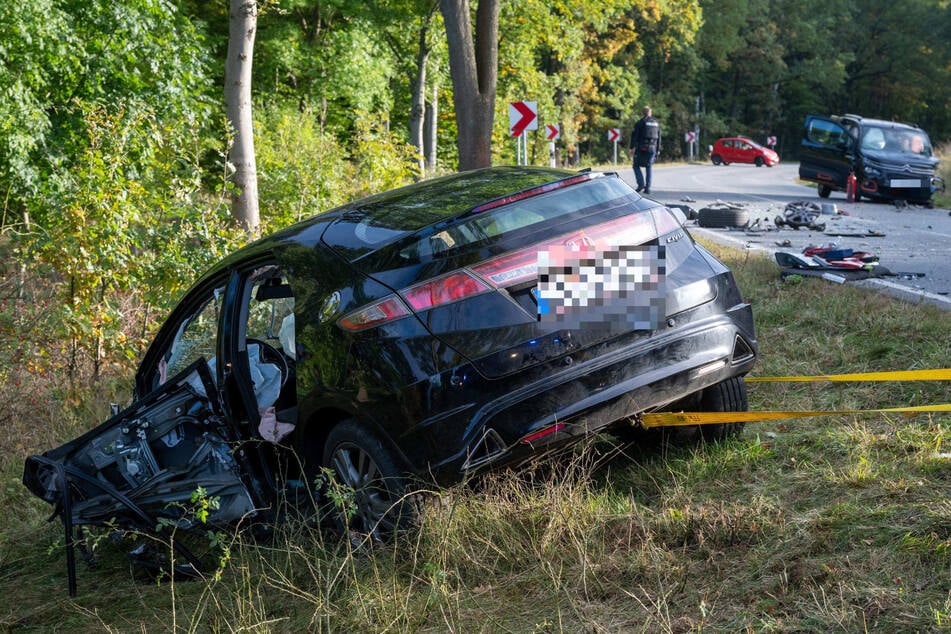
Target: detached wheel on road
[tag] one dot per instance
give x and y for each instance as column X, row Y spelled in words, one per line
column 716, row 159
column 369, row 496
column 722, row 216
column 824, row 191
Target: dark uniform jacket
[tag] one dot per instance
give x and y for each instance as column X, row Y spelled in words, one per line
column 646, row 135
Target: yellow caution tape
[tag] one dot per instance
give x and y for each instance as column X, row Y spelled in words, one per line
column 943, row 374
column 682, row 419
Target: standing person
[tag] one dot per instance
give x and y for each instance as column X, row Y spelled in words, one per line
column 645, row 143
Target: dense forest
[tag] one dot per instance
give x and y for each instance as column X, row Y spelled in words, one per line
column 114, row 144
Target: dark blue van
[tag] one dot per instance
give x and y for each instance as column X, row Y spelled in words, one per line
column 890, row 160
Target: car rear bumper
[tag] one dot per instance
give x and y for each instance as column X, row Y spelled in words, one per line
column 574, row 399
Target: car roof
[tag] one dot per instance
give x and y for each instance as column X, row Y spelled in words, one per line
column 878, row 123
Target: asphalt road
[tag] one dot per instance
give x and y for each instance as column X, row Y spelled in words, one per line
column 916, row 240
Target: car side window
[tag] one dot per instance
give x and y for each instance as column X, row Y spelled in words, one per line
column 271, row 314
column 197, row 337
column 826, row 133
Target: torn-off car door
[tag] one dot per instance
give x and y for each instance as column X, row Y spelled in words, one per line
column 142, row 466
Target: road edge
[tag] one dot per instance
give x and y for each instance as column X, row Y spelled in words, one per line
column 897, row 291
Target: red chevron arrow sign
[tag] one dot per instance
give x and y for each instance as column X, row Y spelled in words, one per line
column 614, row 134
column 552, row 131
column 523, row 115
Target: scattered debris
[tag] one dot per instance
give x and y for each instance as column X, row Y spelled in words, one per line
column 851, row 232
column 831, row 263
column 760, row 225
column 831, row 255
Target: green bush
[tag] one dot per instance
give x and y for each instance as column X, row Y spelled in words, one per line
column 301, row 170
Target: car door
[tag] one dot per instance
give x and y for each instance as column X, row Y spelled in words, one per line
column 746, row 153
column 826, row 152
column 728, row 152
column 192, row 429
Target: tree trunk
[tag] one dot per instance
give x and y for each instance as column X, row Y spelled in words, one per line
column 432, row 112
column 243, row 26
column 418, row 113
column 473, row 65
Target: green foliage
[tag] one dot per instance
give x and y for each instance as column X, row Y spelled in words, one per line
column 382, row 160
column 69, row 51
column 35, row 39
column 125, row 220
column 325, row 57
column 301, row 171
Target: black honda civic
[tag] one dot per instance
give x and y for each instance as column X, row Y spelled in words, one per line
column 424, row 334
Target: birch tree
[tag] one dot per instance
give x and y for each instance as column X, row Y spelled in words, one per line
column 243, row 18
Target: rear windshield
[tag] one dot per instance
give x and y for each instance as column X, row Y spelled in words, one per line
column 521, row 215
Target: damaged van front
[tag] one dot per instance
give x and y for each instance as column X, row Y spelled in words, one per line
column 890, row 160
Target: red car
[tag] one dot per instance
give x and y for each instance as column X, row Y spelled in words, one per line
column 739, row 149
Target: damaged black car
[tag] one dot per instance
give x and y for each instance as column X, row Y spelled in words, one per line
column 420, row 335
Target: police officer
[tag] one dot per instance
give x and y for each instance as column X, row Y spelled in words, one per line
column 645, row 143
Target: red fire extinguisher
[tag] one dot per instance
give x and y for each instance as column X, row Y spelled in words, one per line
column 850, row 185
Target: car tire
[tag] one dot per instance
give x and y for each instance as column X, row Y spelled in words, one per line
column 726, row 396
column 716, row 159
column 759, row 162
column 369, row 497
column 824, row 191
column 722, row 216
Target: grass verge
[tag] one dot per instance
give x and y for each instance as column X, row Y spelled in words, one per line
column 840, row 523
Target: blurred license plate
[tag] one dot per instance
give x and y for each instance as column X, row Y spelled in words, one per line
column 623, row 287
column 905, row 182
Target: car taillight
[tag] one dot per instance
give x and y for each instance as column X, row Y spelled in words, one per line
column 443, row 290
column 510, row 269
column 387, row 309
